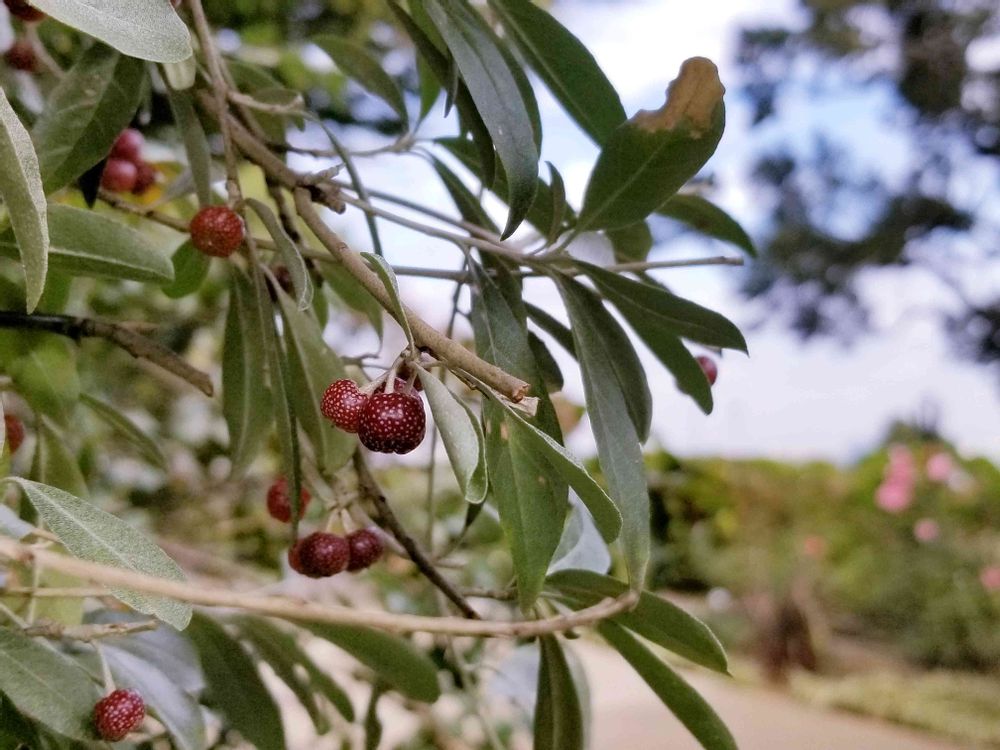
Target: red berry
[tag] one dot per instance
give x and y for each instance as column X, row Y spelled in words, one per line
column 392, row 423
column 279, row 504
column 708, row 367
column 145, row 178
column 321, row 554
column 343, row 403
column 217, row 230
column 21, row 56
column 128, row 146
column 14, row 428
column 118, row 714
column 119, row 176
column 21, row 9
column 294, row 562
column 404, row 373
column 366, row 548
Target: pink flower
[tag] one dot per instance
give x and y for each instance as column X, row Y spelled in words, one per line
column 990, row 577
column 926, row 530
column 894, row 497
column 901, row 468
column 814, row 546
column 940, row 467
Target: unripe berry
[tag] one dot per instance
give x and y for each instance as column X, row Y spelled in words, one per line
column 321, row 555
column 14, row 428
column 279, row 504
column 708, row 367
column 119, row 176
column 21, row 56
column 118, row 714
column 145, row 178
column 392, row 423
column 343, row 403
column 128, row 146
column 366, row 548
column 217, row 231
column 21, row 9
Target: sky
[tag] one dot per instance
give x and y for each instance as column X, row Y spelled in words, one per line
column 788, row 400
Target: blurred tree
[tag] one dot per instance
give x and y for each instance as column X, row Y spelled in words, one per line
column 828, row 223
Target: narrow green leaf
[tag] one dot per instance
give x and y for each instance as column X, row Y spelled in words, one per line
column 244, row 395
column 43, row 368
column 462, row 436
column 282, row 654
column 611, row 403
column 631, row 243
column 24, row 199
column 653, row 618
column 149, row 30
column 558, row 712
column 661, row 309
column 388, row 277
column 199, row 154
column 547, row 364
column 257, row 81
column 565, row 65
column 691, row 709
column 420, row 29
column 361, row 66
column 392, row 658
column 355, row 296
column 149, row 448
column 91, row 534
column 498, row 97
column 86, row 112
column 289, row 251
column 559, row 205
column 234, row 687
column 47, row 686
column 180, row 76
column 312, row 366
column 86, row 243
column 190, row 269
column 429, row 87
column 175, row 709
column 54, row 463
column 555, row 329
column 604, row 338
column 649, row 157
column 273, row 641
column 470, row 208
column 706, row 217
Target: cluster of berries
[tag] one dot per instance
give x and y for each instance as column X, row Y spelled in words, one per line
column 386, row 421
column 217, row 231
column 125, row 171
column 322, row 554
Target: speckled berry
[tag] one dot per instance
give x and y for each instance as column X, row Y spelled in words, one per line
column 118, row 714
column 21, row 56
column 21, row 9
column 343, row 404
column 392, row 423
column 366, row 548
column 708, row 367
column 14, row 429
column 145, row 178
column 279, row 504
column 322, row 554
column 119, row 176
column 128, row 146
column 217, row 231
column 294, row 561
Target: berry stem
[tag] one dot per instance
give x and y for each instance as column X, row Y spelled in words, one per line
column 109, row 680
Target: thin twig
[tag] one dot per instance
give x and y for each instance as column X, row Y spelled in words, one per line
column 76, row 592
column 300, row 610
column 444, row 348
column 373, row 493
column 87, row 633
column 120, row 335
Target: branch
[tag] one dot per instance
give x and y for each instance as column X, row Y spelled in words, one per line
column 87, row 633
column 118, row 334
column 444, row 348
column 370, row 490
column 300, row 610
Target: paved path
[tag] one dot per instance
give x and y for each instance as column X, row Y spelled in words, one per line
column 628, row 715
